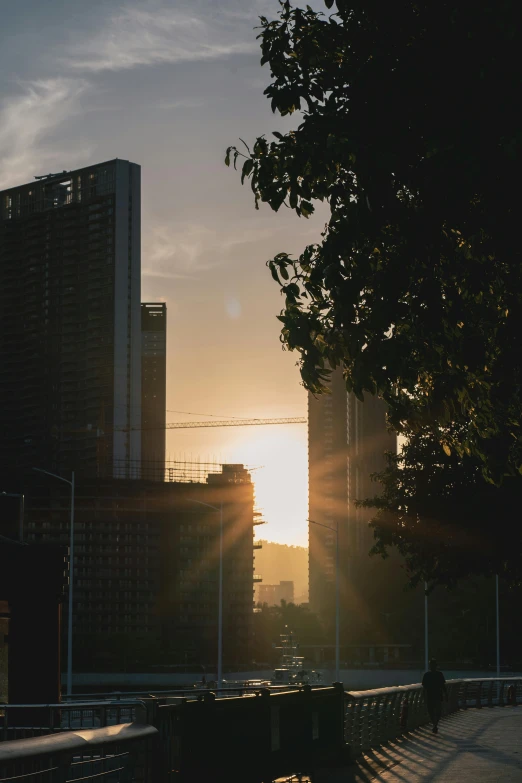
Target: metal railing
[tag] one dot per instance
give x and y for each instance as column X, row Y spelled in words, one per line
column 373, row 717
column 248, row 739
column 230, row 688
column 21, row 721
column 258, row 737
column 497, row 691
column 124, row 753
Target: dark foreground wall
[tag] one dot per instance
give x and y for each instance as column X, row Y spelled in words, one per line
column 32, row 581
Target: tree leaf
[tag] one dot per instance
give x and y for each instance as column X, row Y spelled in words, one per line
column 247, row 168
column 283, row 272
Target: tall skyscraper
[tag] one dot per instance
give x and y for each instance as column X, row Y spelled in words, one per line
column 70, row 321
column 153, row 388
column 347, row 441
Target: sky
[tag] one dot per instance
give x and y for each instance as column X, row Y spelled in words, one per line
column 169, row 85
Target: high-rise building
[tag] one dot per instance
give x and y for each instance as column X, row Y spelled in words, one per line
column 70, row 321
column 147, row 565
column 347, row 441
column 153, row 388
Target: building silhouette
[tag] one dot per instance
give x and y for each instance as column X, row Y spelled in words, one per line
column 153, row 387
column 147, row 566
column 274, row 594
column 33, row 579
column 347, row 441
column 70, row 321
column 83, row 388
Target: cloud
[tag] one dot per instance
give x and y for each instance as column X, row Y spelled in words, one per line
column 178, row 252
column 182, row 103
column 175, row 251
column 135, row 36
column 28, row 122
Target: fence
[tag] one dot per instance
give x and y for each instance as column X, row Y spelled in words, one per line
column 376, row 716
column 230, row 689
column 22, row 721
column 254, row 738
column 118, row 754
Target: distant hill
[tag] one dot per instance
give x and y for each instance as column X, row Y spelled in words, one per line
column 280, row 562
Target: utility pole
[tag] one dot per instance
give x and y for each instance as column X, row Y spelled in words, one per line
column 426, row 647
column 497, row 605
column 71, row 576
column 220, row 588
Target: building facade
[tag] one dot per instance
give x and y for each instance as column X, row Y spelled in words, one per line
column 153, row 388
column 147, row 567
column 70, row 321
column 347, row 441
column 274, row 594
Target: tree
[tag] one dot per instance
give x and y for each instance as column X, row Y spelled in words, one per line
column 444, row 519
column 409, row 131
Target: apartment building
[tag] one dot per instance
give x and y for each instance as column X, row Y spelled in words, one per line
column 274, row 594
column 153, row 388
column 146, row 566
column 70, row 321
column 347, row 442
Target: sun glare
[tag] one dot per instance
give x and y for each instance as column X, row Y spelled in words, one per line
column 279, row 454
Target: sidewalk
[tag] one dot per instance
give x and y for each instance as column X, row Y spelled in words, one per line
column 479, row 746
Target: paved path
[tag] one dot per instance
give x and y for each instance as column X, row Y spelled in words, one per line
column 475, row 746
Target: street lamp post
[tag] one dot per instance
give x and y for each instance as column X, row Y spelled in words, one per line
column 71, row 576
column 426, row 646
column 497, row 623
column 337, row 620
column 220, row 589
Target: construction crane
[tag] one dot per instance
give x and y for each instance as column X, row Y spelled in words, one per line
column 101, row 432
column 181, row 425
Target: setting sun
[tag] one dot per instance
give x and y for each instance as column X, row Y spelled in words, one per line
column 277, row 455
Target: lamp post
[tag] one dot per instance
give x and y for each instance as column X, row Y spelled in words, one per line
column 497, row 623
column 426, row 651
column 337, row 649
column 220, row 589
column 71, row 575
column 21, row 515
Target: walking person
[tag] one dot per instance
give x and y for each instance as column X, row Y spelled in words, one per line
column 434, row 685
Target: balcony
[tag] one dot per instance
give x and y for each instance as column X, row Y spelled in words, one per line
column 258, row 518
